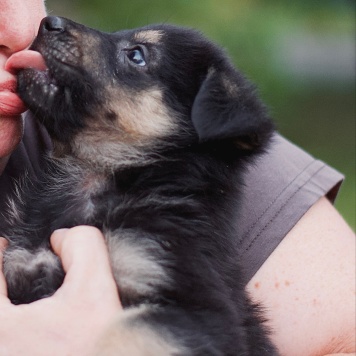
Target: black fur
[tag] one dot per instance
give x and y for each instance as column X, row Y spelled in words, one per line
column 169, row 189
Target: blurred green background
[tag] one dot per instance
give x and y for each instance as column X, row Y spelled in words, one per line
column 301, row 55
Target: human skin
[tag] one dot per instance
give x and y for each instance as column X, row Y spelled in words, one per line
column 71, row 321
column 19, row 20
column 306, row 285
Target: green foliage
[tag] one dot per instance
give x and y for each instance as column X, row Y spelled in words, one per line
column 314, row 105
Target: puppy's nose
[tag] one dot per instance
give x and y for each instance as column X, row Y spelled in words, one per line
column 52, row 24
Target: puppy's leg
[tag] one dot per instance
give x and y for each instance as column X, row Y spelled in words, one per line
column 31, row 274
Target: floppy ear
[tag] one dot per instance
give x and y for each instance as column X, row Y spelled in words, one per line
column 227, row 108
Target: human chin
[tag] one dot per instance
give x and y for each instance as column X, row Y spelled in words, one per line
column 11, row 130
column 11, row 123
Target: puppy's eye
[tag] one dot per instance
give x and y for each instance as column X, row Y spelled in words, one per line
column 136, row 56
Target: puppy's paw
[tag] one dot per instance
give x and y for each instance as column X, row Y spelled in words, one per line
column 31, row 275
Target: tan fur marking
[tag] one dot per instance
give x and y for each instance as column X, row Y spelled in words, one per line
column 142, row 119
column 144, row 115
column 130, row 336
column 149, row 36
column 134, row 264
column 109, row 150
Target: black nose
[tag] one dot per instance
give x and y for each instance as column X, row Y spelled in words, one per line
column 52, row 24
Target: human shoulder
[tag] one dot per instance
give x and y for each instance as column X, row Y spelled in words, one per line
column 278, row 190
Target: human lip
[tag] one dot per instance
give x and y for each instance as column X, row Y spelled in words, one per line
column 9, row 85
column 10, row 103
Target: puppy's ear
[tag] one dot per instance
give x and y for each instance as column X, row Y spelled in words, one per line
column 227, row 108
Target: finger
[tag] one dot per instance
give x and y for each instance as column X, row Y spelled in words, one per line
column 3, row 288
column 86, row 262
column 3, row 244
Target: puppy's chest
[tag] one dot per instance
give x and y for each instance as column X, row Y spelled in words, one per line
column 96, row 200
column 88, row 199
column 109, row 202
column 137, row 198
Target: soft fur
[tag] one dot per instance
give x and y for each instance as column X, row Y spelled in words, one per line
column 152, row 131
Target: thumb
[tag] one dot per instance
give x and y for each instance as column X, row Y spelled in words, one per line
column 85, row 260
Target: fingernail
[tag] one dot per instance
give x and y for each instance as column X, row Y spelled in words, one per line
column 60, row 231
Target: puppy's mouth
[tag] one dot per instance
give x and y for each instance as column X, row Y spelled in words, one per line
column 48, row 83
column 37, row 85
column 45, row 73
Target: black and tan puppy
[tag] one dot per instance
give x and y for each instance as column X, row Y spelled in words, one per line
column 152, row 131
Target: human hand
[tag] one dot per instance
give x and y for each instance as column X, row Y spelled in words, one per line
column 72, row 320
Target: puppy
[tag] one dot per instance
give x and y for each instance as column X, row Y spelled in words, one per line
column 152, row 130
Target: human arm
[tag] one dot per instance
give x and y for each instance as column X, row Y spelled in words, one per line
column 307, row 286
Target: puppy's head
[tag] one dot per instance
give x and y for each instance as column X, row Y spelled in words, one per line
column 120, row 98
